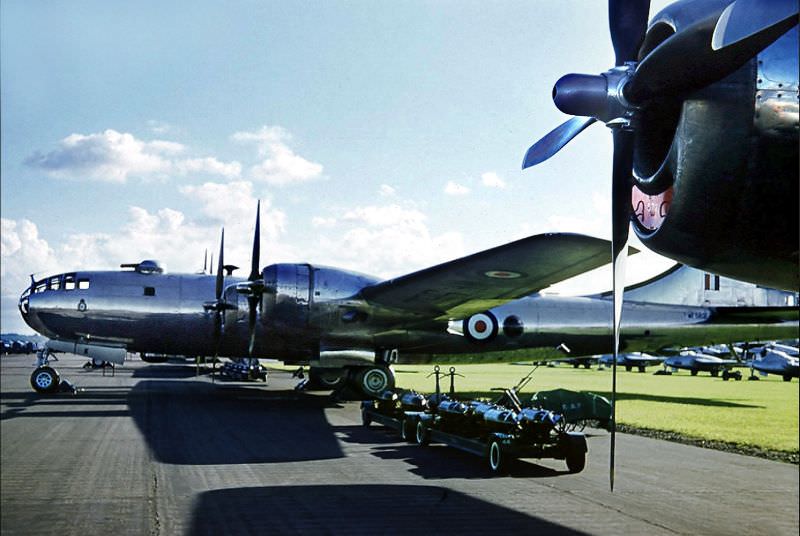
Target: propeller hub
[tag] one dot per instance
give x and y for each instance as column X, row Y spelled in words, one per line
column 600, row 96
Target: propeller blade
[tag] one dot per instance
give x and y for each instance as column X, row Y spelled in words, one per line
column 254, row 272
column 743, row 19
column 620, row 223
column 627, row 21
column 205, row 261
column 687, row 62
column 252, row 302
column 555, row 140
column 220, row 276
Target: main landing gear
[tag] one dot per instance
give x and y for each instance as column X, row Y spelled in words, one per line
column 351, row 382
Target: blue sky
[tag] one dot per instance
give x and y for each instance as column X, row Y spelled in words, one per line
column 380, row 136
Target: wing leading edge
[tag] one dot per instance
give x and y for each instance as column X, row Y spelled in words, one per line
column 471, row 284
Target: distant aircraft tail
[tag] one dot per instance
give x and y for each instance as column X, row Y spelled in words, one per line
column 683, row 285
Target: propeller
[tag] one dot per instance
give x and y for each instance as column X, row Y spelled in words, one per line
column 254, row 287
column 700, row 54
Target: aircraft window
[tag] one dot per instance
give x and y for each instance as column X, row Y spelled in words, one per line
column 54, row 283
column 83, row 284
column 69, row 282
column 40, row 286
column 149, row 291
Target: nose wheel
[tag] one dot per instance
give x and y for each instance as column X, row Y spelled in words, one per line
column 45, row 380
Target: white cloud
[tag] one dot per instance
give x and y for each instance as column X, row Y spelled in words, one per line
column 235, row 202
column 386, row 241
column 109, row 156
column 165, row 234
column 280, row 166
column 492, row 180
column 453, row 188
column 209, row 166
column 387, row 191
column 113, row 156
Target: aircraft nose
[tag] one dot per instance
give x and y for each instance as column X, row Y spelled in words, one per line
column 25, row 304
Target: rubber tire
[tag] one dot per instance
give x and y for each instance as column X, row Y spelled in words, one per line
column 407, row 430
column 368, row 384
column 576, row 460
column 330, row 379
column 422, row 436
column 787, row 378
column 45, row 380
column 693, row 372
column 496, row 458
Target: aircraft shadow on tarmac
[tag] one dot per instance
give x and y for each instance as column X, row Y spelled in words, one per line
column 358, row 509
column 201, row 424
column 435, row 461
column 169, row 371
column 26, row 404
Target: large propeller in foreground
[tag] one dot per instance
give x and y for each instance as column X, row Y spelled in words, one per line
column 700, row 54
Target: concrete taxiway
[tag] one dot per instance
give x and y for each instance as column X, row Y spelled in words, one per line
column 154, row 450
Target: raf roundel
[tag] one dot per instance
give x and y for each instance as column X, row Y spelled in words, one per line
column 481, row 327
column 502, row 274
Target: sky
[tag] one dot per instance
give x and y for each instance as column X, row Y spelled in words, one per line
column 381, row 137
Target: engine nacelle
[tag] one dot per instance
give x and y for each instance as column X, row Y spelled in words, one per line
column 716, row 174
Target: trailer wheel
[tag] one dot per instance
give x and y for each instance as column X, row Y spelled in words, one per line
column 576, row 460
column 407, row 430
column 423, row 436
column 496, row 457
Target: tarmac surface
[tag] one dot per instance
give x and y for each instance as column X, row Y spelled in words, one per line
column 155, row 450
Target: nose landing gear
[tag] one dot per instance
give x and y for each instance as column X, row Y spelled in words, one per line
column 45, row 379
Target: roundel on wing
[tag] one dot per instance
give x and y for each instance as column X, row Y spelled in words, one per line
column 481, row 327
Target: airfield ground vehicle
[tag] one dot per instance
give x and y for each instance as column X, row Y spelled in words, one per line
column 501, row 431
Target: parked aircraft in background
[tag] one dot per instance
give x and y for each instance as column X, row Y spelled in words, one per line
column 637, row 360
column 779, row 359
column 695, row 361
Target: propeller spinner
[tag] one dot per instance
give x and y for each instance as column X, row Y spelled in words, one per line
column 704, row 52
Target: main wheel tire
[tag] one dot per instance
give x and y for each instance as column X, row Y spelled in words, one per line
column 422, row 435
column 496, row 457
column 45, row 380
column 375, row 380
column 693, row 372
column 328, row 378
column 576, row 461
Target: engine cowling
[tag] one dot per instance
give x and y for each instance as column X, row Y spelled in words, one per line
column 716, row 173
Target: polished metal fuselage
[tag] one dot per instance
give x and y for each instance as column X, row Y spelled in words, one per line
column 314, row 314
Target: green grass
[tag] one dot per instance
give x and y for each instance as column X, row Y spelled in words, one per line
column 762, row 414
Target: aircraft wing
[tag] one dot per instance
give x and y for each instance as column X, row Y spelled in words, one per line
column 478, row 282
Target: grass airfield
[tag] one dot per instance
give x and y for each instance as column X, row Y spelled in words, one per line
column 761, row 414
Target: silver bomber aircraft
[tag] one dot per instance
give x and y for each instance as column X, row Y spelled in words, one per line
column 349, row 327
